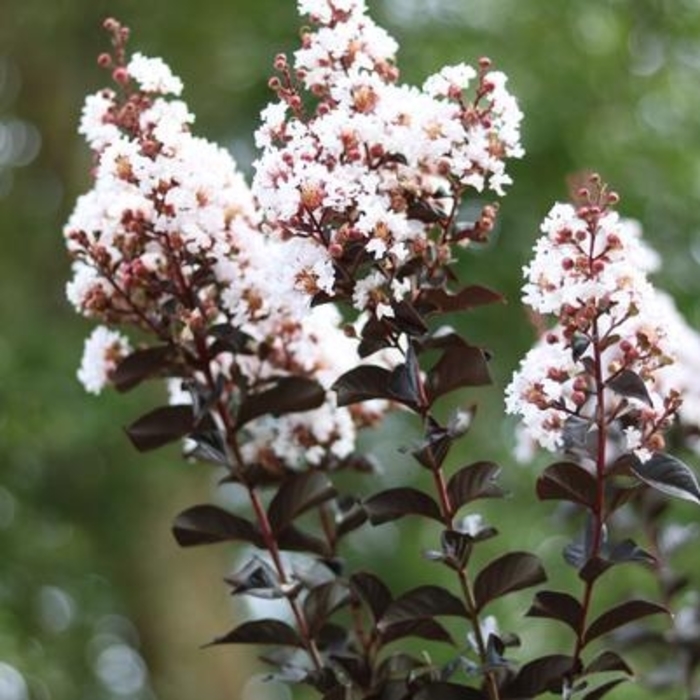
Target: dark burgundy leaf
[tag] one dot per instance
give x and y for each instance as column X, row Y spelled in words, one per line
column 350, row 520
column 447, row 691
column 621, row 615
column 143, row 364
column 296, row 495
column 557, row 606
column 408, row 319
column 256, row 578
column 264, row 631
column 579, row 345
column 205, row 524
column 579, row 436
column 208, row 446
column 333, row 638
column 395, row 503
column 292, row 539
column 474, row 481
column 668, row 475
column 403, row 385
column 230, row 339
column 538, row 676
column 355, row 667
column 372, row 590
column 434, row 449
column 602, row 690
column 567, row 481
column 459, row 366
column 594, row 567
column 424, row 601
column 511, row 572
column 161, row 426
column 457, row 547
column 608, row 661
column 376, row 335
column 630, row 385
column 361, row 384
column 425, row 212
column 287, row 395
column 423, row 627
column 630, row 551
column 322, row 601
column 441, row 301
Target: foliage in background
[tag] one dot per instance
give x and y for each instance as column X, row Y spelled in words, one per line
column 610, row 84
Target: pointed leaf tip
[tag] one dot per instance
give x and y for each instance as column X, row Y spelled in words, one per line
column 669, row 475
column 511, row 572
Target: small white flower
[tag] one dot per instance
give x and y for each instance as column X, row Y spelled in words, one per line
column 104, row 349
column 153, row 75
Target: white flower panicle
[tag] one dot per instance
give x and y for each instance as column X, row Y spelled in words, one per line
column 168, row 242
column 168, row 215
column 610, row 344
column 377, row 165
column 104, row 349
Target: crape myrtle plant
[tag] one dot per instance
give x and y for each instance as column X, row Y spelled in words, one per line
column 287, row 316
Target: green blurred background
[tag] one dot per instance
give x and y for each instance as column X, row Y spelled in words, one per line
column 96, row 601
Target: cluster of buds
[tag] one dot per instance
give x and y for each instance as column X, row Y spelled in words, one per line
column 168, row 243
column 605, row 359
column 364, row 176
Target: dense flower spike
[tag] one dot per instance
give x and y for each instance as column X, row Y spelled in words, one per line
column 367, row 174
column 590, row 271
column 168, row 242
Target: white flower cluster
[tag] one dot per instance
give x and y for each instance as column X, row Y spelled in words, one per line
column 375, row 153
column 104, row 348
column 163, row 205
column 168, row 241
column 590, row 271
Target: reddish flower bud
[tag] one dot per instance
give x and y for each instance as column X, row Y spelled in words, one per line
column 120, row 75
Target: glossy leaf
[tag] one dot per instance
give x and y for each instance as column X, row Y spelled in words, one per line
column 141, row 365
column 396, row 503
column 511, row 572
column 536, row 677
column 608, row 661
column 293, row 539
column 579, row 344
column 286, row 395
column 407, row 319
column 424, row 601
column 265, row 631
column 447, row 691
column 474, row 481
column 355, row 667
column 567, row 481
column 161, row 426
column 559, row 606
column 432, row 452
column 668, row 475
column 620, row 615
column 441, row 301
column 349, row 520
column 256, row 578
column 602, row 690
column 361, row 384
column 460, row 365
column 228, row 338
column 322, row 601
column 422, row 627
column 373, row 591
column 296, row 495
column 630, row 385
column 403, row 384
column 206, row 524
